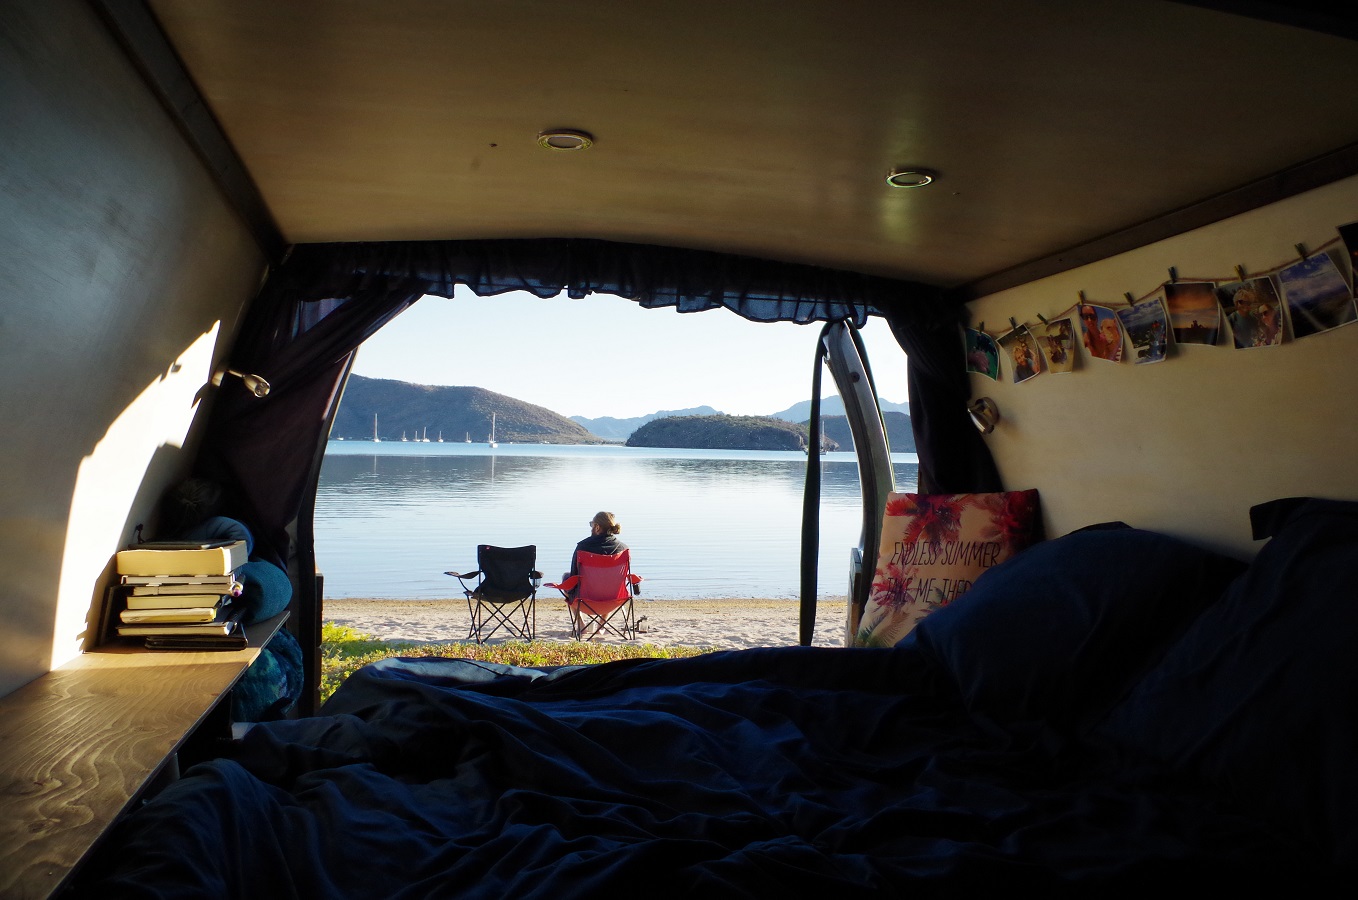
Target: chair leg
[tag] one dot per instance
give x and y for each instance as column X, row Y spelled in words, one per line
column 519, row 620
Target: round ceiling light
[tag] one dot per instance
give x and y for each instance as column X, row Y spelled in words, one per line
column 565, row 139
column 909, row 178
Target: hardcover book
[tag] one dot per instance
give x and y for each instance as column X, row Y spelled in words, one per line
column 203, row 582
column 933, row 547
column 182, row 615
column 213, row 558
column 226, row 622
column 173, row 601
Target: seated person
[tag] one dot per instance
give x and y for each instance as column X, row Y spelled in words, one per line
column 603, row 538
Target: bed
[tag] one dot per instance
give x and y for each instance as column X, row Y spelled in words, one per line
column 1110, row 711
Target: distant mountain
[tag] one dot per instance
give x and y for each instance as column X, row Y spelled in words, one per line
column 419, row 410
column 898, row 432
column 720, row 432
column 832, row 406
column 618, row 429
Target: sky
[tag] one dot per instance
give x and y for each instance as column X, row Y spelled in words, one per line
column 605, row 356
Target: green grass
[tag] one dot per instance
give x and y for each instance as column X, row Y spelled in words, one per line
column 343, row 650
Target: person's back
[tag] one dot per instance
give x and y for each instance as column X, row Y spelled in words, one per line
column 603, row 539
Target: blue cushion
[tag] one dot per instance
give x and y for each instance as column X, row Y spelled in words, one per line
column 1258, row 698
column 265, row 590
column 220, row 528
column 1062, row 630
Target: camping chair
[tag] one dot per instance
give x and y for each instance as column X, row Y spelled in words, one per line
column 600, row 595
column 504, row 593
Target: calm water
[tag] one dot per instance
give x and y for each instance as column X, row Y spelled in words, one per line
column 391, row 518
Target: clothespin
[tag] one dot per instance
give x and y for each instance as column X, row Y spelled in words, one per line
column 1083, row 301
column 1131, row 301
column 1301, row 250
column 1173, row 275
column 1043, row 319
column 981, row 327
column 1013, row 326
column 1240, row 272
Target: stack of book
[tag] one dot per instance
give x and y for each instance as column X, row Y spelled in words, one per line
column 180, row 596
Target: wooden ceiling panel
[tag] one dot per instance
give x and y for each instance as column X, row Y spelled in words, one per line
column 763, row 127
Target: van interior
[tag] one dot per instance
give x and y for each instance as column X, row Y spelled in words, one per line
column 196, row 190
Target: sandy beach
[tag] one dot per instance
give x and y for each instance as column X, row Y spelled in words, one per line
column 725, row 624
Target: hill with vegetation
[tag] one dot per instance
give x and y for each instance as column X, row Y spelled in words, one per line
column 898, row 432
column 722, row 432
column 455, row 413
column 618, row 429
column 832, row 405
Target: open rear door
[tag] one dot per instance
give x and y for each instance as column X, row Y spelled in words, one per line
column 841, row 349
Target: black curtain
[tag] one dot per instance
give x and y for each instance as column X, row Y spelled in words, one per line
column 324, row 300
column 953, row 457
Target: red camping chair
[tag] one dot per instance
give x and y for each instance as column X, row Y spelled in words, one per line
column 600, row 595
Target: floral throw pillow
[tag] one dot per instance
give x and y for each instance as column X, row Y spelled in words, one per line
column 933, row 547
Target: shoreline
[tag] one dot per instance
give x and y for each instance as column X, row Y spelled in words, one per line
column 731, row 624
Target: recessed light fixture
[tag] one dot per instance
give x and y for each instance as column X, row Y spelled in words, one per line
column 565, row 139
column 909, row 178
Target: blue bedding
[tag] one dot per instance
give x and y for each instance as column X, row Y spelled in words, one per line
column 918, row 771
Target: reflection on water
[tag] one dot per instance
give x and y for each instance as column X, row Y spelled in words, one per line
column 700, row 523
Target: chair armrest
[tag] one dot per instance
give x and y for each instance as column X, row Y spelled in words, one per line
column 464, row 574
column 566, row 586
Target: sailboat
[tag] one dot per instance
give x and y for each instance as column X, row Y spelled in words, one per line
column 403, row 436
column 425, row 438
column 491, row 442
column 468, row 438
column 376, row 439
column 440, row 436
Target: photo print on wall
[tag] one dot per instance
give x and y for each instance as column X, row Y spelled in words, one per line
column 1193, row 312
column 1020, row 347
column 1349, row 235
column 1317, row 294
column 1057, row 340
column 1253, row 311
column 1100, row 332
column 1148, row 329
column 983, row 356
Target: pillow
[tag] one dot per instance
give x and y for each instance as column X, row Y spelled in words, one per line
column 265, row 590
column 933, row 547
column 1062, row 630
column 1259, row 699
column 220, row 528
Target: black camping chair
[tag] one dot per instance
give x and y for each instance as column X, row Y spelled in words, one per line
column 504, row 594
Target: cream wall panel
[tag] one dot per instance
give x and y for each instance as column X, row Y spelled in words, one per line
column 1186, row 445
column 122, row 271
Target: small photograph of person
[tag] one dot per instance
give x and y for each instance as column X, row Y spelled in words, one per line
column 1021, row 348
column 1100, row 332
column 983, row 356
column 1318, row 296
column 1147, row 328
column 1057, row 340
column 1193, row 311
column 1253, row 311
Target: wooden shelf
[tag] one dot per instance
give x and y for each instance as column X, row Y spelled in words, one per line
column 81, row 743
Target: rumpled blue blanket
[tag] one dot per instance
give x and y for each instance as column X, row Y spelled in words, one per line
column 787, row 771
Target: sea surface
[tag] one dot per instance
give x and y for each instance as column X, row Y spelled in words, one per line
column 393, row 517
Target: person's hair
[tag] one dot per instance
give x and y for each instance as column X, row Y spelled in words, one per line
column 607, row 522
